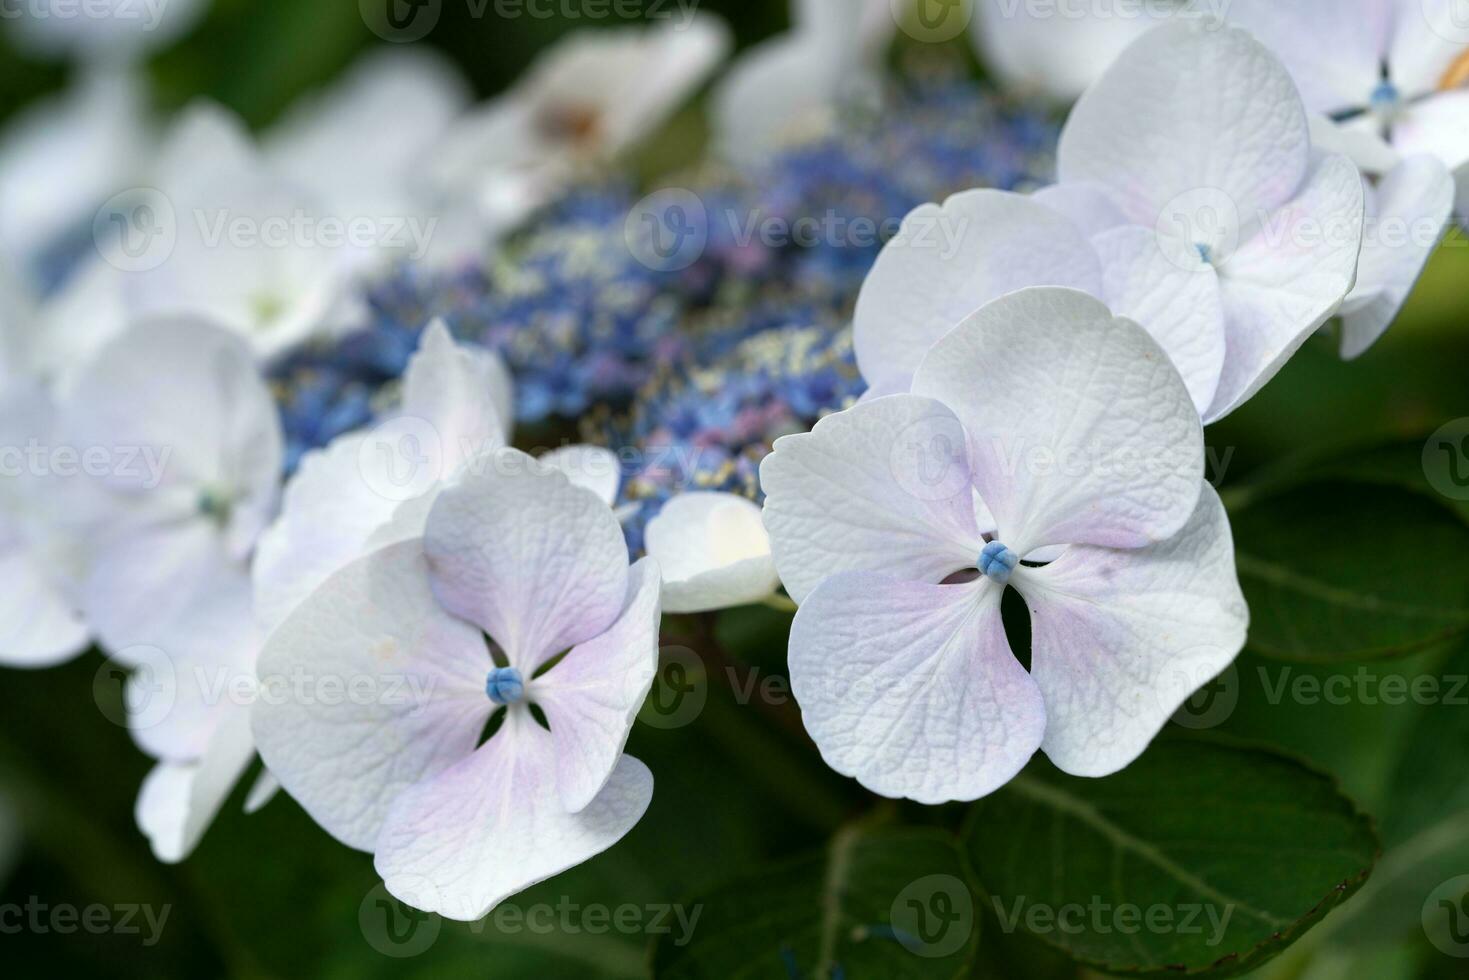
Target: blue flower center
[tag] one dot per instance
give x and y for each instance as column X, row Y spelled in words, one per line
column 505, row 685
column 998, row 561
column 1205, row 252
column 1386, row 99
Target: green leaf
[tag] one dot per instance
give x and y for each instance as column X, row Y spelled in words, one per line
column 1351, row 571
column 1202, row 858
column 876, row 903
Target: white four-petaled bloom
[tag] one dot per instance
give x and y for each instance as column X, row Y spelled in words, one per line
column 1196, row 208
column 188, row 454
column 1386, row 84
column 1047, row 446
column 1388, row 71
column 515, row 551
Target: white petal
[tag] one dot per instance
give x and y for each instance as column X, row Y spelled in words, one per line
column 464, row 393
column 327, row 516
column 1407, row 213
column 1079, row 427
column 417, row 707
column 1174, row 297
column 884, row 485
column 265, row 788
column 1056, row 56
column 335, row 142
column 1439, row 125
column 179, row 801
column 1288, row 279
column 593, row 695
column 1087, row 205
column 1359, row 140
column 1120, row 639
column 540, row 565
column 39, row 626
column 593, row 467
column 778, row 90
column 911, row 688
column 463, row 841
column 947, row 262
column 1190, row 106
column 714, row 552
column 161, row 586
column 191, row 671
column 1429, row 38
column 63, row 156
column 1334, row 49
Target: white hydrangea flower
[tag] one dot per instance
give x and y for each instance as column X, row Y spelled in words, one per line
column 1197, row 208
column 587, row 99
column 1040, row 429
column 713, row 550
column 791, row 83
column 1199, row 139
column 192, row 440
column 1389, row 71
column 367, row 489
column 515, row 551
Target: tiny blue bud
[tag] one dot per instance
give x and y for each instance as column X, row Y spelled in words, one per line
column 998, row 561
column 1205, row 252
column 505, row 685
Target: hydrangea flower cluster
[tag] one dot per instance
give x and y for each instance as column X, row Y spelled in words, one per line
column 855, row 418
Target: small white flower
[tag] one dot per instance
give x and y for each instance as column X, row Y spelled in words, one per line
column 585, row 101
column 714, row 552
column 371, row 488
column 1205, row 217
column 1041, row 429
column 192, row 443
column 1389, row 71
column 194, row 449
column 517, row 552
column 791, row 83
